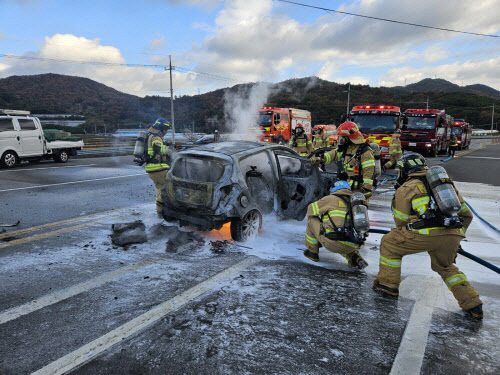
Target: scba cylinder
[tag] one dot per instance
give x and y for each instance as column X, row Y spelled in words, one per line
column 443, row 191
column 359, row 208
column 140, row 144
column 376, row 153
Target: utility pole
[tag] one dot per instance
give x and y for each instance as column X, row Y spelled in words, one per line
column 492, row 116
column 348, row 98
column 427, row 107
column 172, row 101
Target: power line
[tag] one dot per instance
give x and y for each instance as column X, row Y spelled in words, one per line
column 387, row 20
column 103, row 63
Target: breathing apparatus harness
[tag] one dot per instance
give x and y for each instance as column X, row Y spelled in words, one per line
column 433, row 217
column 346, row 233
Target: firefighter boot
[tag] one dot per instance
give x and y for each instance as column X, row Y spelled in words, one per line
column 476, row 312
column 355, row 260
column 310, row 255
column 385, row 289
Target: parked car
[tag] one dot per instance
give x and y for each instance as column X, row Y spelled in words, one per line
column 239, row 181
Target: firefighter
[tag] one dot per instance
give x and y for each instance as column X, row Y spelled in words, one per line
column 395, row 151
column 325, row 218
column 415, row 232
column 216, row 136
column 354, row 157
column 156, row 163
column 300, row 142
column 321, row 140
column 453, row 145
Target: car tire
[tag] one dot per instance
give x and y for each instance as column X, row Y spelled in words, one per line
column 9, row 159
column 61, row 157
column 434, row 152
column 247, row 227
column 281, row 141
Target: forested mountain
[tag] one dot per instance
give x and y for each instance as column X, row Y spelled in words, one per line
column 100, row 104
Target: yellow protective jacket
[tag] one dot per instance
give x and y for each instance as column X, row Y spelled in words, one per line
column 320, row 141
column 157, row 152
column 395, row 145
column 360, row 172
column 301, row 145
column 453, row 141
column 412, row 199
column 332, row 207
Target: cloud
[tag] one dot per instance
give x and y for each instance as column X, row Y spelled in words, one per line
column 60, row 49
column 157, row 43
column 209, row 4
column 435, row 53
column 470, row 72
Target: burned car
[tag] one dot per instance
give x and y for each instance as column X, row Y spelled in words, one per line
column 237, row 182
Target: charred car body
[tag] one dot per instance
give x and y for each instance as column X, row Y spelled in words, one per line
column 238, row 182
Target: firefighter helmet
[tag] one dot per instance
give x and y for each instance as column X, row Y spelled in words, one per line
column 350, row 129
column 340, row 184
column 409, row 163
column 161, row 124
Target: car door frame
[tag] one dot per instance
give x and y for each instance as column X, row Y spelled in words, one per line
column 295, row 193
column 31, row 140
column 10, row 141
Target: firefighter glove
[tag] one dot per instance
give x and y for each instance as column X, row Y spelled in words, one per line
column 316, row 160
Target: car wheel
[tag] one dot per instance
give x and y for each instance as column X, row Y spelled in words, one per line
column 9, row 159
column 61, row 157
column 434, row 152
column 247, row 227
column 281, row 141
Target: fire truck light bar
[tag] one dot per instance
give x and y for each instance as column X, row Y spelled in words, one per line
column 375, row 107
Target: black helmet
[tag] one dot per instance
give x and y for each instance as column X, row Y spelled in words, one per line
column 409, row 163
column 161, row 124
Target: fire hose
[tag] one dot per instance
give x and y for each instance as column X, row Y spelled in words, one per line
column 460, row 251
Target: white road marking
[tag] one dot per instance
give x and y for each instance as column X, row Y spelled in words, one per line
column 87, row 352
column 73, row 182
column 59, row 296
column 35, row 169
column 411, row 351
column 481, row 157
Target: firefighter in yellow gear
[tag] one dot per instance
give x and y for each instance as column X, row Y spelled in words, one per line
column 325, row 217
column 300, row 142
column 355, row 157
column 395, row 151
column 452, row 147
column 410, row 202
column 321, row 140
column 156, row 163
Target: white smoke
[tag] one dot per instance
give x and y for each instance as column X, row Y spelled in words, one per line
column 240, row 109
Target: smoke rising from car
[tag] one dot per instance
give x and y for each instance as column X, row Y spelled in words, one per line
column 240, row 109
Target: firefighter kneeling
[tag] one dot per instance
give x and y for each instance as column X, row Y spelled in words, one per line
column 431, row 216
column 339, row 222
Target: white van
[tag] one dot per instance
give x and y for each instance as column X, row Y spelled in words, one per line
column 22, row 138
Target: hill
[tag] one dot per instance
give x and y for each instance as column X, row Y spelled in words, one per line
column 100, row 104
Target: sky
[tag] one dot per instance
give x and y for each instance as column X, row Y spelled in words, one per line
column 216, row 44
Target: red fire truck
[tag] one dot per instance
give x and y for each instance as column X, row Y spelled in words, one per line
column 277, row 124
column 463, row 131
column 426, row 130
column 377, row 123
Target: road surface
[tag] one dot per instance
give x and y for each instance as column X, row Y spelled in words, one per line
column 71, row 301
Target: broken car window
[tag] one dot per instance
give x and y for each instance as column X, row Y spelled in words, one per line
column 197, row 169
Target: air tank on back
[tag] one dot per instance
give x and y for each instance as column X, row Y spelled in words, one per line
column 359, row 208
column 443, row 191
column 376, row 152
column 140, row 144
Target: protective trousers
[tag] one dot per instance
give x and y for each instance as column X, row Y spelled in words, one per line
column 392, row 161
column 314, row 240
column 441, row 248
column 159, row 181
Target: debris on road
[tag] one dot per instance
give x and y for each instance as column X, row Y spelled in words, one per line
column 128, row 233
column 10, row 225
column 174, row 236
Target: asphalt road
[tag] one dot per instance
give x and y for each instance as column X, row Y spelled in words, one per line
column 71, row 301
